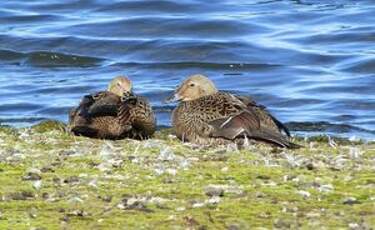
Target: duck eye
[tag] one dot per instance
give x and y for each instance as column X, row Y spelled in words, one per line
column 192, row 85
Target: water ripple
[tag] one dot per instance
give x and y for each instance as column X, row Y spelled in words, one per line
column 310, row 62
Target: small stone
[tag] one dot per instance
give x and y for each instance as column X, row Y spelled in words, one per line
column 305, row 194
column 56, row 180
column 224, row 169
column 197, row 205
column 172, row 172
column 212, row 190
column 260, row 195
column 93, row 183
column 310, row 166
column 353, row 226
column 134, row 203
column 80, row 213
column 263, row 177
column 75, row 199
column 65, row 218
column 72, row 180
column 282, row 224
column 37, row 184
column 45, row 195
column 214, row 200
column 350, row 201
column 24, row 195
column 33, row 213
column 326, row 188
column 180, row 209
column 105, row 198
column 47, row 169
column 32, row 175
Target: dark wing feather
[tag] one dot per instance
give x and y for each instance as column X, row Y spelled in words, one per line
column 234, row 126
column 105, row 104
column 244, row 124
column 262, row 110
column 280, row 125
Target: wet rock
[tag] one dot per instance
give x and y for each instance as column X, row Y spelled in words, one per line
column 212, row 190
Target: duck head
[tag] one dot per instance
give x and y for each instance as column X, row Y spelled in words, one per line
column 194, row 87
column 120, row 85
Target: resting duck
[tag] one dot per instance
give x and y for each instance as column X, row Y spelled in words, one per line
column 207, row 116
column 113, row 114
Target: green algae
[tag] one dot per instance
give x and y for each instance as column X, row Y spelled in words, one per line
column 127, row 184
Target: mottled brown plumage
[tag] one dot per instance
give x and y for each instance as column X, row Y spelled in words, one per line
column 106, row 115
column 209, row 117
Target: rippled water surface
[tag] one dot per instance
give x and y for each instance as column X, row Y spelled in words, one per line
column 311, row 62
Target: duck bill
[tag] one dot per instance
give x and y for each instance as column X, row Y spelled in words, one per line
column 172, row 98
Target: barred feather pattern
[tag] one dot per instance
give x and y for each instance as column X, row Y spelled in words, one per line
column 130, row 120
column 193, row 120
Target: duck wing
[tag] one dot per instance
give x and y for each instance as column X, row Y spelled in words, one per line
column 244, row 121
column 265, row 116
column 101, row 104
column 137, row 111
column 242, row 125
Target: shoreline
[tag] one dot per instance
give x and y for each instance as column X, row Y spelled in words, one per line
column 52, row 180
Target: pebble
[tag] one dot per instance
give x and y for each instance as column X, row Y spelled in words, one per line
column 325, row 188
column 198, row 205
column 305, row 194
column 214, row 190
column 350, row 201
column 37, row 184
column 214, row 200
column 180, row 209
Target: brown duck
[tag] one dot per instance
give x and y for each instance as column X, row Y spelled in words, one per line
column 113, row 114
column 209, row 117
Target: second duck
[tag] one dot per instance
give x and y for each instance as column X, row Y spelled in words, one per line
column 207, row 116
column 113, row 114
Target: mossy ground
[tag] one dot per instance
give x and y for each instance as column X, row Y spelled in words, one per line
column 52, row 180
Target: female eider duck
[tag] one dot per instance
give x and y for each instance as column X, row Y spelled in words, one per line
column 207, row 116
column 113, row 114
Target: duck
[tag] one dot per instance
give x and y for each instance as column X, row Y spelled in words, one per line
column 207, row 116
column 115, row 113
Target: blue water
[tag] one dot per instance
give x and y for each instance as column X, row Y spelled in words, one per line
column 311, row 62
